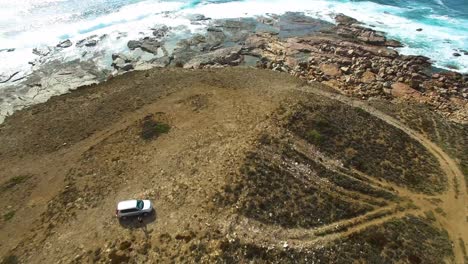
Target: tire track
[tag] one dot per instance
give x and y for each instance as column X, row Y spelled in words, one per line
column 454, row 206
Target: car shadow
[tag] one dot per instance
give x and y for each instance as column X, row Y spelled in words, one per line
column 138, row 222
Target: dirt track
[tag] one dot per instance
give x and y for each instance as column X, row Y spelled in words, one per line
column 454, row 201
column 82, row 153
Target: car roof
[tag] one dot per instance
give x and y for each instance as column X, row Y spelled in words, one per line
column 129, row 204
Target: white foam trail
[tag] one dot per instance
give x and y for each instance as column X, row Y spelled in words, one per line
column 26, row 24
column 440, row 2
column 137, row 17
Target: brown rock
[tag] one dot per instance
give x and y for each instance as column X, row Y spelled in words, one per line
column 330, row 69
column 403, row 90
column 345, row 20
column 125, row 245
column 368, row 77
column 393, row 43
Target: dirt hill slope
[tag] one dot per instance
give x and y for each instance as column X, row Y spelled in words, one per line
column 241, row 165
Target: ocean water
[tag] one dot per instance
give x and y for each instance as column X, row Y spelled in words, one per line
column 27, row 24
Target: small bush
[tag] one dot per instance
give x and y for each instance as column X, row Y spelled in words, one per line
column 14, row 181
column 462, row 245
column 314, row 137
column 10, row 259
column 152, row 129
column 430, row 216
column 8, row 216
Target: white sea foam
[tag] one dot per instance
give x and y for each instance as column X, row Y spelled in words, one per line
column 27, row 24
column 137, row 17
column 440, row 37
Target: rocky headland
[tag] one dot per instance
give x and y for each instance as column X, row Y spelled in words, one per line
column 348, row 56
column 326, row 146
column 356, row 60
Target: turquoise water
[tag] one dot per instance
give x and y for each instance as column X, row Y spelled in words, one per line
column 26, row 24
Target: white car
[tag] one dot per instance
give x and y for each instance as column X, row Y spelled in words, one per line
column 133, row 208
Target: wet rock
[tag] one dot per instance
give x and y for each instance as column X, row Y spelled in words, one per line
column 419, row 29
column 65, row 44
column 161, row 62
column 214, row 29
column 127, row 67
column 393, row 43
column 7, row 50
column 122, row 62
column 197, row 18
column 345, row 20
column 225, row 56
column 296, row 24
column 151, row 46
column 389, row 53
column 345, row 32
column 133, row 44
column 89, row 41
column 115, row 56
column 161, row 32
column 147, row 44
column 372, row 38
column 43, row 51
column 456, row 54
column 7, row 78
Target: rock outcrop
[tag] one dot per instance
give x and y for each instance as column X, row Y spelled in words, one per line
column 360, row 62
column 65, row 44
column 225, row 56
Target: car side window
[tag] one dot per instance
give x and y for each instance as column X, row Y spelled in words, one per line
column 129, row 210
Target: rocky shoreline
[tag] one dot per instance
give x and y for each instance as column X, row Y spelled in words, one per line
column 359, row 62
column 356, row 60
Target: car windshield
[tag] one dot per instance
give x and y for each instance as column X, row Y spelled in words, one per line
column 140, row 204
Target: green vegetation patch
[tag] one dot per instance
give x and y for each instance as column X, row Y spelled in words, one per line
column 314, row 136
column 10, row 259
column 152, row 129
column 13, row 182
column 8, row 216
column 368, row 144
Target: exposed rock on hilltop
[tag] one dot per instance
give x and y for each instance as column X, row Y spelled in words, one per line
column 352, row 58
column 358, row 62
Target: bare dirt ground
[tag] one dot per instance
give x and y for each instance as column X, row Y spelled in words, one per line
column 66, row 163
